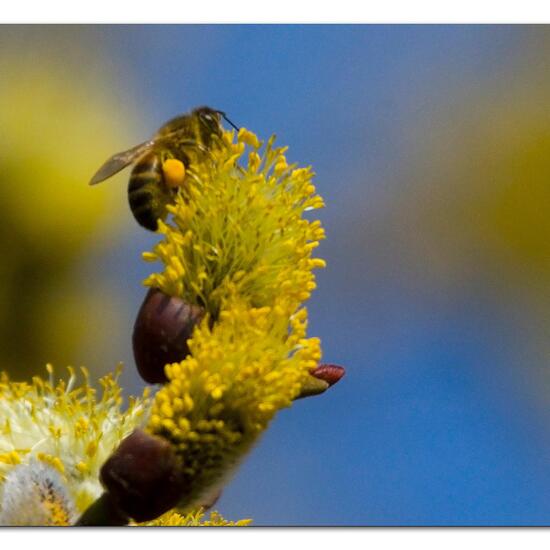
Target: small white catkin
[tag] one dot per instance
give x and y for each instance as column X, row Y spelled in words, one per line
column 35, row 494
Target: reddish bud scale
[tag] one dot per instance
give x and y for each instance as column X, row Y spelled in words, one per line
column 320, row 380
column 162, row 328
column 329, row 373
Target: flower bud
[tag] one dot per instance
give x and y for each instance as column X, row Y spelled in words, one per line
column 162, row 328
column 322, row 377
column 329, row 373
column 142, row 476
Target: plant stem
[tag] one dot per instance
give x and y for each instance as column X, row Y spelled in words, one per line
column 102, row 512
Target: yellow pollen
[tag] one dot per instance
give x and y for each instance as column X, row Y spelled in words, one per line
column 174, row 172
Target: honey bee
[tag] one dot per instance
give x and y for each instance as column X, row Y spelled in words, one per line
column 161, row 164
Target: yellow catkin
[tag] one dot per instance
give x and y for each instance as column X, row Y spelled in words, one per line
column 240, row 245
column 238, row 232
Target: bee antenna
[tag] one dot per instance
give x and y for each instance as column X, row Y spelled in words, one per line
column 224, row 116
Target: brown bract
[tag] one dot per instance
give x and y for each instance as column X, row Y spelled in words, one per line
column 162, row 328
column 142, row 476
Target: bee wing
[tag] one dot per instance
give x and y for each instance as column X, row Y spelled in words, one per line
column 119, row 161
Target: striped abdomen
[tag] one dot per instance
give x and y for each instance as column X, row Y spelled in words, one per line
column 147, row 194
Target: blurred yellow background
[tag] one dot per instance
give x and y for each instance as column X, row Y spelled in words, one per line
column 54, row 126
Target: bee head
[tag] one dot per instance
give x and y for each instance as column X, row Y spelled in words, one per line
column 211, row 118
